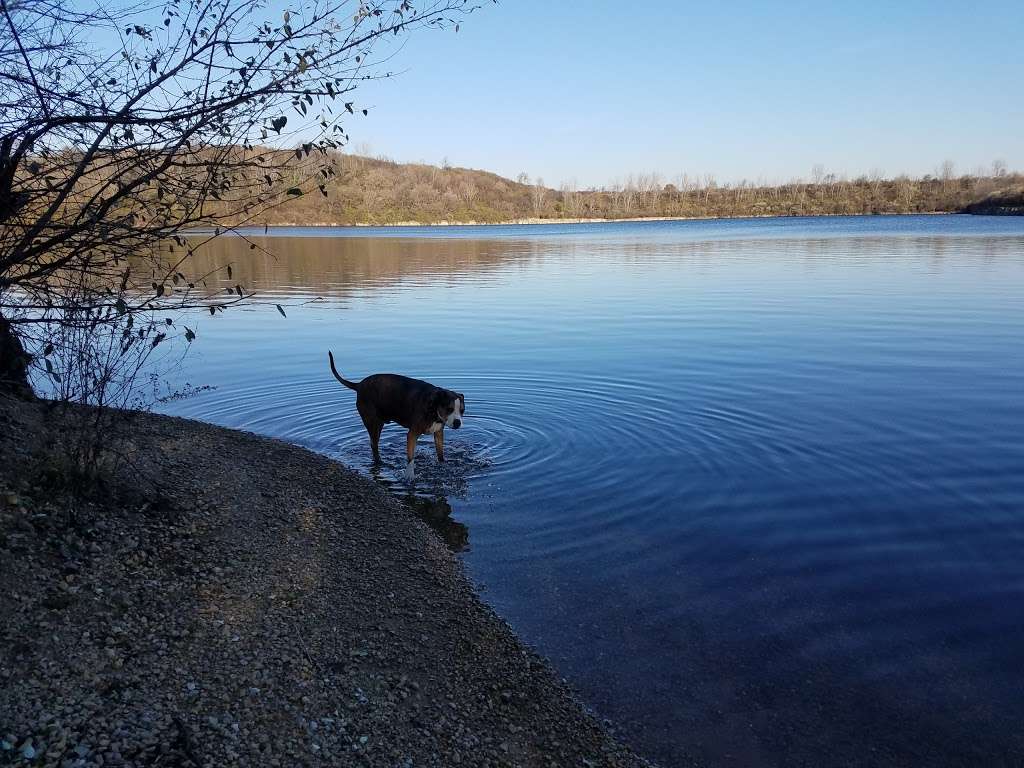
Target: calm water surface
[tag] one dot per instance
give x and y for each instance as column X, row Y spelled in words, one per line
column 756, row 487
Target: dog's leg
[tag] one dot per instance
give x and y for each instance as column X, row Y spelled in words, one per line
column 410, row 455
column 439, row 443
column 374, row 430
column 373, row 426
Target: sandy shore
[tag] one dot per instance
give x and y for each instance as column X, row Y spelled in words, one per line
column 234, row 600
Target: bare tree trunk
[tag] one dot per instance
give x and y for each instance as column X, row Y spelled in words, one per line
column 14, row 362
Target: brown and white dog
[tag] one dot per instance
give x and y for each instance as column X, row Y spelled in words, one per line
column 417, row 405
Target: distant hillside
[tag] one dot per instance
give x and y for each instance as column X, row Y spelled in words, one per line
column 379, row 191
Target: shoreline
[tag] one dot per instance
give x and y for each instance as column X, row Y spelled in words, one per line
column 234, row 599
column 536, row 221
column 631, row 219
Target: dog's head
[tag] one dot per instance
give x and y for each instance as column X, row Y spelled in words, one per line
column 448, row 407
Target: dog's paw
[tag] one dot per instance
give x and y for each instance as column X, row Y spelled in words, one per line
column 410, row 472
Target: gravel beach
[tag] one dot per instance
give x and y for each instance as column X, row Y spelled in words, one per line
column 234, row 600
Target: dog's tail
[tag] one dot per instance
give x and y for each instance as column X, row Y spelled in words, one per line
column 338, row 376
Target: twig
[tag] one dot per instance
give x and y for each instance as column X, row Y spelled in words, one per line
column 305, row 651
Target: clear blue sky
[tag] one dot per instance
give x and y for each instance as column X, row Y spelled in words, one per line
column 596, row 90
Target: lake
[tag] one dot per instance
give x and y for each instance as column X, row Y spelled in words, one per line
column 756, row 487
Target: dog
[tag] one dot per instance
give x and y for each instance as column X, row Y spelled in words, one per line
column 417, row 405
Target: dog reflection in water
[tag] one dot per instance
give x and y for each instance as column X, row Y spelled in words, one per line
column 437, row 513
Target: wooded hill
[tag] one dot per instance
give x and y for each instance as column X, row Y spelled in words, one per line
column 380, row 191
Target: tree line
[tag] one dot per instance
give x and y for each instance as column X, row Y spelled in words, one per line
column 380, row 191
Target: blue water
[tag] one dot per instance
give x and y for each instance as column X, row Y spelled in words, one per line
column 756, row 487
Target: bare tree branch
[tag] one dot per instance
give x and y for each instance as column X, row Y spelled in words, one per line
column 197, row 114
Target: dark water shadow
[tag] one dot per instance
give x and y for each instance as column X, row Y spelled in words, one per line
column 431, row 506
column 437, row 513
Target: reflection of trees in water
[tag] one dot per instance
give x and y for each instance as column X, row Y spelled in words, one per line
column 337, row 266
column 334, row 266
